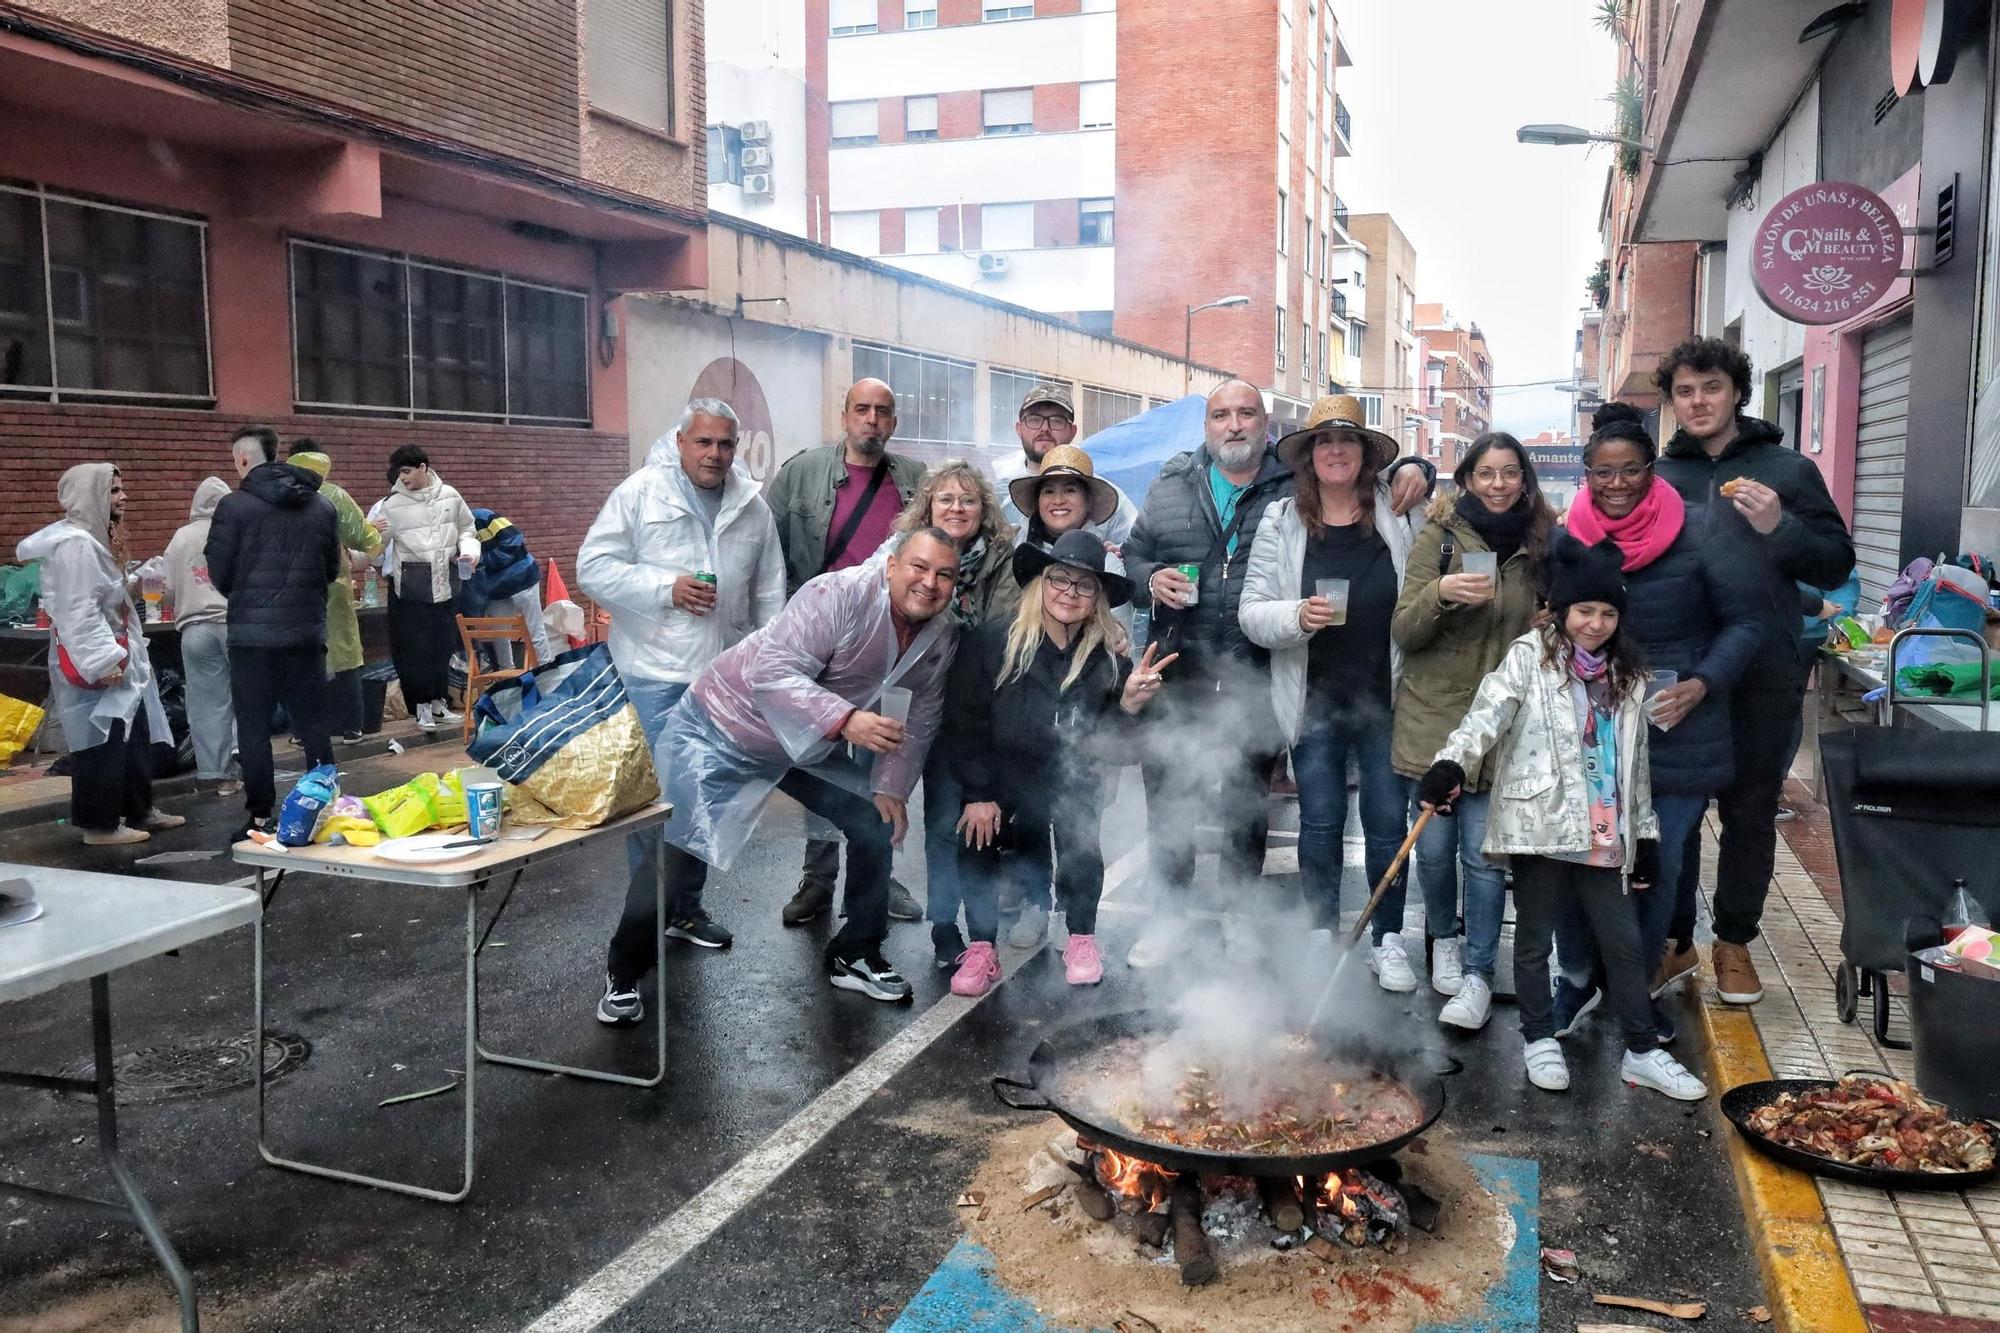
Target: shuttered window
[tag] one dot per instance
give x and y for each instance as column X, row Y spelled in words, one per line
column 854, row 123
column 1882, row 439
column 629, row 60
column 1009, row 111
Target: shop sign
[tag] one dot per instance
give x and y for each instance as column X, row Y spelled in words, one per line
column 736, row 384
column 1925, row 37
column 1827, row 252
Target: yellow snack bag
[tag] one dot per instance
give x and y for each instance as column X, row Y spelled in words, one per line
column 401, row 811
column 357, row 831
column 446, row 795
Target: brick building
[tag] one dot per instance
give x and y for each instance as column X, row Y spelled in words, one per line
column 1075, row 157
column 1388, row 370
column 369, row 221
column 1458, row 383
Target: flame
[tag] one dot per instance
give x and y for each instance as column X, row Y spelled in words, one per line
column 1133, row 1177
column 1340, row 1193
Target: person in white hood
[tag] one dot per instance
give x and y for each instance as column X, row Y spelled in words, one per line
column 202, row 615
column 428, row 549
column 101, row 685
column 689, row 511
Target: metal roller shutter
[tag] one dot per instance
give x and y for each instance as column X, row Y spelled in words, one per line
column 1878, row 460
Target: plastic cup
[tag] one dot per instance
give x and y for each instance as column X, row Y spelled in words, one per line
column 1485, row 564
column 1655, row 682
column 1334, row 593
column 896, row 703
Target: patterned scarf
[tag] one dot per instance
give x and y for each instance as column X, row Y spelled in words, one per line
column 1600, row 753
column 1594, row 671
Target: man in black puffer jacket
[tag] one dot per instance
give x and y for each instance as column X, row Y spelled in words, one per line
column 273, row 546
column 1772, row 518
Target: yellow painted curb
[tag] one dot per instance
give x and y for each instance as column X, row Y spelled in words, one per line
column 1804, row 1274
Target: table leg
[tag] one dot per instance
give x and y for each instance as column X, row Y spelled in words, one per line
column 659, row 1007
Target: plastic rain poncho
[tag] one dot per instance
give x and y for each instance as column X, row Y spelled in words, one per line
column 84, row 592
column 775, row 701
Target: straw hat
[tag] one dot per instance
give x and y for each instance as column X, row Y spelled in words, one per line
column 1337, row 411
column 1066, row 460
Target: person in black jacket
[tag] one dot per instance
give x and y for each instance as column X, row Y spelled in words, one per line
column 273, row 546
column 1772, row 516
column 1033, row 706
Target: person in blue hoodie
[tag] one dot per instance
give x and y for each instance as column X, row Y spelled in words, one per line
column 506, row 582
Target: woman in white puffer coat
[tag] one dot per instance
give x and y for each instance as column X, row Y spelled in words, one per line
column 430, row 549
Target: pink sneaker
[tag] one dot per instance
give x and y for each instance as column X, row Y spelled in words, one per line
column 978, row 971
column 1083, row 965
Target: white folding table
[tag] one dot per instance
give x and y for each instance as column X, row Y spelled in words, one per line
column 92, row 925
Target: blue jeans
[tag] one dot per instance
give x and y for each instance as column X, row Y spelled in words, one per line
column 652, row 700
column 944, row 801
column 1319, row 762
column 1448, row 843
column 1576, row 951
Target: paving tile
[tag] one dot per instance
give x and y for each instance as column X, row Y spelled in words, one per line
column 1902, row 1300
column 1867, row 1283
column 1973, row 1309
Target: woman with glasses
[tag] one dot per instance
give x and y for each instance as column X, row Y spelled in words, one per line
column 1470, row 590
column 1035, row 706
column 1695, row 618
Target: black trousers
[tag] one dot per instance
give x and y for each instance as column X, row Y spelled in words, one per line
column 1543, row 887
column 113, row 780
column 1059, row 834
column 260, row 678
column 421, row 637
column 1762, row 724
column 343, row 702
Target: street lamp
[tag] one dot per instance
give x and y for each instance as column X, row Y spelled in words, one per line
column 1569, row 135
column 1187, row 343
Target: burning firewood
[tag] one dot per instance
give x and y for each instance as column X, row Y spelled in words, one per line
column 1281, row 1202
column 1096, row 1204
column 1192, row 1249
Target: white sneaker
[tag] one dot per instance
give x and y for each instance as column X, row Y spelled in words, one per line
column 1469, row 1008
column 1662, row 1073
column 1547, row 1069
column 1391, row 965
column 1030, row 928
column 443, row 712
column 1448, row 966
column 1160, row 941
column 425, row 722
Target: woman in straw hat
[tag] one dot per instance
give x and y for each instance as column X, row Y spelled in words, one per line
column 1065, row 495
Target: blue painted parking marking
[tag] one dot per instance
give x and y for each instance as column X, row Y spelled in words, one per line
column 963, row 1296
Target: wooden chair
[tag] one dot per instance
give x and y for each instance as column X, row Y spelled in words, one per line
column 475, row 630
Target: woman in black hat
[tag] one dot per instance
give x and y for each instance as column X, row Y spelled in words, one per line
column 1034, row 705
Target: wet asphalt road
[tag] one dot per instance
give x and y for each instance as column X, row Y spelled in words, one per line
column 570, row 1174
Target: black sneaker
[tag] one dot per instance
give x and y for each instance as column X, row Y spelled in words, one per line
column 1572, row 1004
column 620, row 1006
column 696, row 928
column 812, row 900
column 268, row 827
column 948, row 944
column 349, row 738
column 872, row 976
column 902, row 906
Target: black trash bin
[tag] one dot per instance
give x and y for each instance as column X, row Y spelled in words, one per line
column 1955, row 1026
column 375, row 678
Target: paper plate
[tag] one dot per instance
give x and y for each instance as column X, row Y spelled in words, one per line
column 425, row 848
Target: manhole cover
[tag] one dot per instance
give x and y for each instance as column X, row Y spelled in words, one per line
column 196, row 1069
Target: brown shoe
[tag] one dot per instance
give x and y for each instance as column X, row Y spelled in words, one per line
column 1676, row 961
column 1735, row 975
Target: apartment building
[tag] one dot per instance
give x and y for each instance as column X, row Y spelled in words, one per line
column 1082, row 158
column 1388, row 373
column 369, row 222
column 1458, row 383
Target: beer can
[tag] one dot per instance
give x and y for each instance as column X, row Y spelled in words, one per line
column 1193, row 575
column 704, row 576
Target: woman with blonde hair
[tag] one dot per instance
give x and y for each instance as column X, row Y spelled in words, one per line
column 1035, row 706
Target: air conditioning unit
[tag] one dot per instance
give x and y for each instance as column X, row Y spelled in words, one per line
column 756, row 131
column 756, row 159
column 992, row 264
column 758, row 184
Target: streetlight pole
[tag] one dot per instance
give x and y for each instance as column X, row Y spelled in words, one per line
column 1187, row 341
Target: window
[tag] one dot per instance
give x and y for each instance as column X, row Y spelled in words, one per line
column 1281, row 337
column 920, row 231
column 1097, row 104
column 1371, row 408
column 1093, row 222
column 391, row 333
column 920, row 118
column 1284, row 221
column 934, row 397
column 919, row 13
column 117, row 305
column 858, row 233
column 849, row 17
column 1007, row 227
column 1357, row 337
column 629, row 60
column 1305, row 357
column 1324, row 364
column 854, row 123
column 1002, row 12
column 1007, row 388
column 1009, row 111
column 1105, row 407
column 1307, row 260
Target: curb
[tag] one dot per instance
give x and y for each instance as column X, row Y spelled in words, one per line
column 1804, row 1274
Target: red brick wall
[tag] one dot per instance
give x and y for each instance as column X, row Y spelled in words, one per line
column 502, row 74
column 960, row 116
column 948, row 229
column 1056, row 107
column 550, row 482
column 956, row 11
column 819, row 195
column 889, row 120
column 1051, row 8
column 1055, row 222
column 969, row 228
column 891, row 220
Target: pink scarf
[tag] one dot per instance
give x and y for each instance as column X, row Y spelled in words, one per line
column 1643, row 535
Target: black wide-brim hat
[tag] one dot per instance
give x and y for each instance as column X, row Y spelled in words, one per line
column 1077, row 550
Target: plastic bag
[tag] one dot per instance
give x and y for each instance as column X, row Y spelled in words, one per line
column 19, row 721
column 572, row 739
column 20, row 589
column 347, row 819
column 446, row 795
column 308, row 800
column 564, row 618
column 400, row 811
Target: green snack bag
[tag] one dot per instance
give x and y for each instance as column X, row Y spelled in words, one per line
column 446, row 795
column 400, row 811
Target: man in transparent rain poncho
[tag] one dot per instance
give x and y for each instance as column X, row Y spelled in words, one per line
column 809, row 705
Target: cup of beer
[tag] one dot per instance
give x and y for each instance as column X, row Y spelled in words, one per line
column 1334, row 593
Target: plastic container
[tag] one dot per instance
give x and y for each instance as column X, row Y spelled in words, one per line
column 1957, row 1041
column 1962, row 912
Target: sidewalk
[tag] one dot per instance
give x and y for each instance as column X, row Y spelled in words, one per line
column 1922, row 1262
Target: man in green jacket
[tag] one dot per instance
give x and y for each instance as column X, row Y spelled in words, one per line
column 835, row 505
column 344, row 657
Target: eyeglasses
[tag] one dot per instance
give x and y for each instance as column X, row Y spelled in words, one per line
column 1604, row 476
column 955, row 501
column 1079, row 585
column 1047, row 421
column 1490, row 475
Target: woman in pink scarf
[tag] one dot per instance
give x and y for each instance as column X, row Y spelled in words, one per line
column 1696, row 621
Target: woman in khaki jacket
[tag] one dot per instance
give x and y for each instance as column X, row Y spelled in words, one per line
column 1453, row 626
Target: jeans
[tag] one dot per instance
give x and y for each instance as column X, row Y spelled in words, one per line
column 1059, row 835
column 1544, row 889
column 1319, row 762
column 943, row 803
column 111, row 782
column 259, row 680
column 1447, row 844
column 211, row 717
column 526, row 604
column 652, row 699
column 1760, row 724
column 1576, row 950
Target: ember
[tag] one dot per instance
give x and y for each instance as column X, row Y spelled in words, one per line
column 1359, row 1207
column 1132, row 1177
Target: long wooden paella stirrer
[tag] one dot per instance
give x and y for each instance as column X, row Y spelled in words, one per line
column 1354, row 936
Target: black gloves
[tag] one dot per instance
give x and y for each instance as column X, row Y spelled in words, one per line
column 1646, row 863
column 1441, row 785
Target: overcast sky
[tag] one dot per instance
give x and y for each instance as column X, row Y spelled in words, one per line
column 1505, row 233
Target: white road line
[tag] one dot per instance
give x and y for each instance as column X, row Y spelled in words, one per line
column 649, row 1258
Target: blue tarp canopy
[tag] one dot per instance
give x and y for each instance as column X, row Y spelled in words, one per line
column 1129, row 454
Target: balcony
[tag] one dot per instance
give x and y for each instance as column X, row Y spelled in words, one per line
column 1343, row 126
column 1339, row 303
column 1340, row 213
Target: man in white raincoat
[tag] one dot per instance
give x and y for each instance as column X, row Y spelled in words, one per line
column 773, row 713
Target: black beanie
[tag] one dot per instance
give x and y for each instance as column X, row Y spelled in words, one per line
column 1579, row 573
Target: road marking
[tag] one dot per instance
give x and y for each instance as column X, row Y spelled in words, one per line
column 648, row 1259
